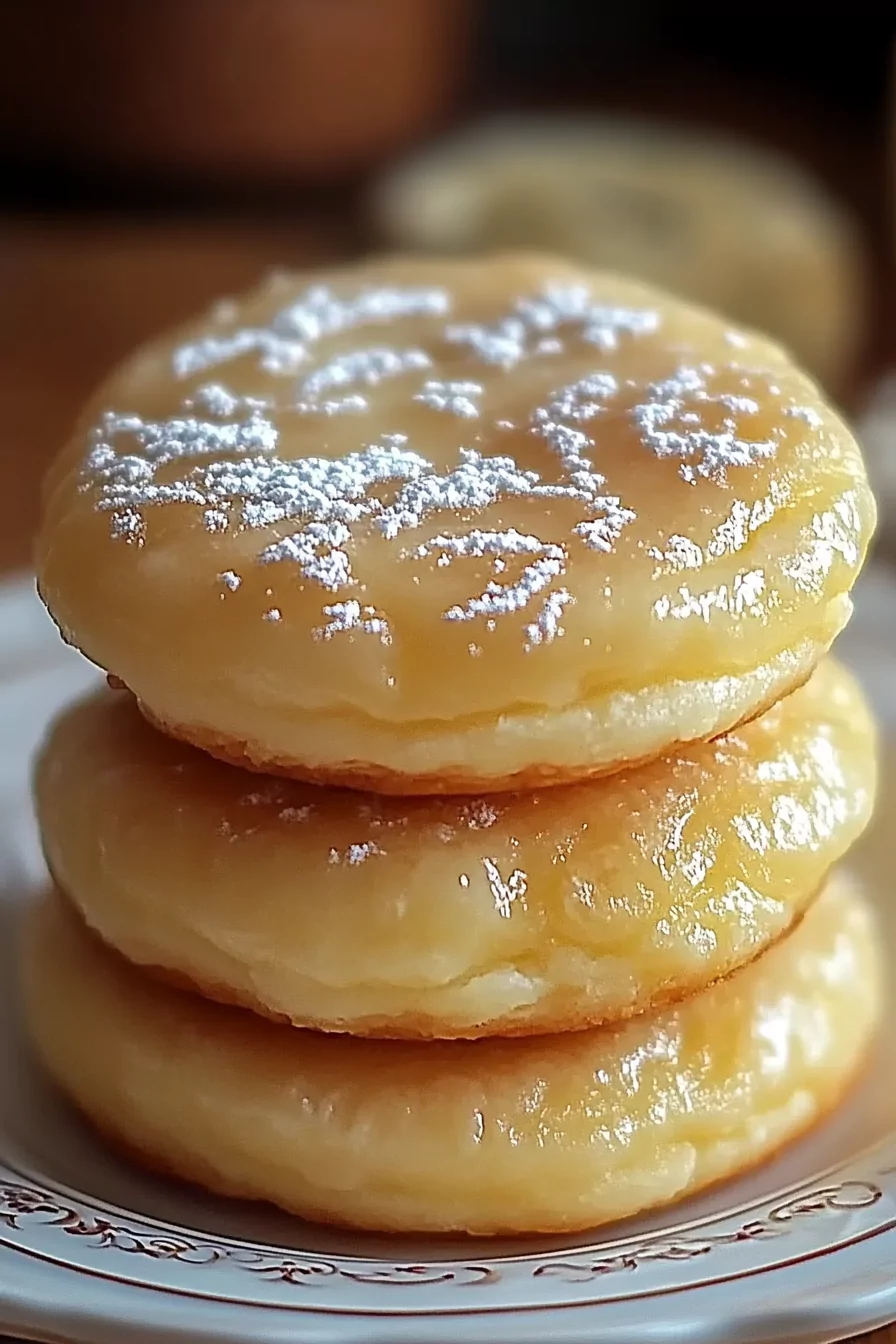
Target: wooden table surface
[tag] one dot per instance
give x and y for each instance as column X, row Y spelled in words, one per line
column 77, row 295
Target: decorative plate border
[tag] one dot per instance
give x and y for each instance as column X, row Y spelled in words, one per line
column 35, row 1219
column 23, row 1205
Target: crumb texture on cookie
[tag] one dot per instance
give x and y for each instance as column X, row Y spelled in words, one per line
column 490, row 914
column 544, row 1134
column 589, row 501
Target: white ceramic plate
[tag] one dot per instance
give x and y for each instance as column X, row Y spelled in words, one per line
column 94, row 1252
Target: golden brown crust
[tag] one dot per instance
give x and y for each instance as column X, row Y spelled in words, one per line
column 189, row 1175
column 418, row 1028
column 371, row 778
column 209, row 1094
column 453, row 918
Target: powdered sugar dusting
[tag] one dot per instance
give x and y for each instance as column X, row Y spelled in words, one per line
column 457, row 397
column 126, row 481
column 806, row 413
column 547, row 626
column 349, row 616
column 221, row 453
column 216, row 399
column 478, row 543
column 285, row 344
column 367, row 367
column 671, row 426
column 499, row 599
column 559, row 423
column 545, row 563
column 536, row 326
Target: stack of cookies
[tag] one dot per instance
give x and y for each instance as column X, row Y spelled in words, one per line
column 453, row 848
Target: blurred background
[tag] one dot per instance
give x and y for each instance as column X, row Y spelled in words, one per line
column 157, row 153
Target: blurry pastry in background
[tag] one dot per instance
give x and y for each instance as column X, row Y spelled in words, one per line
column 711, row 218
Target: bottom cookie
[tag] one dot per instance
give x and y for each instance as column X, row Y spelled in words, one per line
column 545, row 1134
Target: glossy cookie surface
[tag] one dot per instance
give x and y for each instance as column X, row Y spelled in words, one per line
column 542, row 1134
column 434, row 526
column 493, row 914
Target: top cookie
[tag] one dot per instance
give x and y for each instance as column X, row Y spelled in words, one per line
column 430, row 526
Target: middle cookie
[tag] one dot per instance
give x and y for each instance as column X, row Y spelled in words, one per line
column 444, row 917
